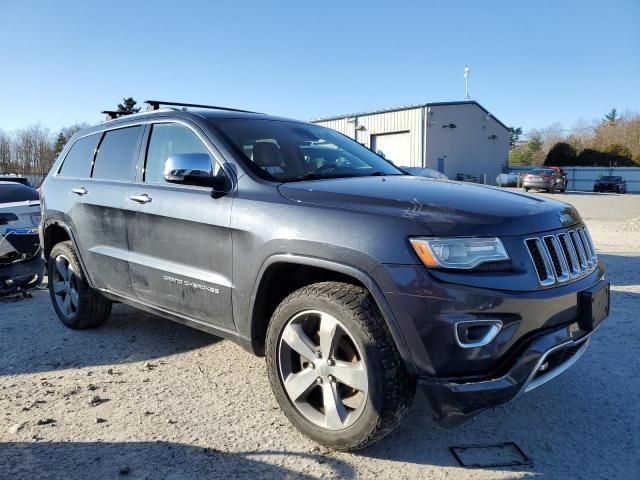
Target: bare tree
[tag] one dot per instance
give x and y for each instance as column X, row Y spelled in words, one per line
column 6, row 148
column 32, row 150
column 70, row 130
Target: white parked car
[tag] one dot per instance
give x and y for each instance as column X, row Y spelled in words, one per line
column 21, row 262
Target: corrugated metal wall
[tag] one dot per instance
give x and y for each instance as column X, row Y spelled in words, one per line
column 582, row 178
column 408, row 120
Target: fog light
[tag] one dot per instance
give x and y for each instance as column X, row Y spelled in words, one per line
column 476, row 333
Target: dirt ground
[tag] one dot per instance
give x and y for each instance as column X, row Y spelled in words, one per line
column 145, row 398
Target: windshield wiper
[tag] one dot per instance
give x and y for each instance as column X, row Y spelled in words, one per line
column 306, row 176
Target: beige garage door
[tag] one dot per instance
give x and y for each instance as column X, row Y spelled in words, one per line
column 393, row 146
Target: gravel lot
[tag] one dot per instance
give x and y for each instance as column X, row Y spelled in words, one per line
column 142, row 397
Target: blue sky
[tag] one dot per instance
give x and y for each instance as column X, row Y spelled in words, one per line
column 532, row 63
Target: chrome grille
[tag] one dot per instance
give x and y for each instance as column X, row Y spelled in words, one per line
column 561, row 257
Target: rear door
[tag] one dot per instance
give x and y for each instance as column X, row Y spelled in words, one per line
column 180, row 237
column 99, row 213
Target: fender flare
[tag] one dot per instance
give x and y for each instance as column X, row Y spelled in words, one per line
column 66, row 228
column 351, row 271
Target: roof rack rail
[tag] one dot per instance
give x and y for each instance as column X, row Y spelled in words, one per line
column 113, row 114
column 155, row 105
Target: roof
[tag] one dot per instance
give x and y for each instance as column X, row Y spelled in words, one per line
column 409, row 107
column 173, row 113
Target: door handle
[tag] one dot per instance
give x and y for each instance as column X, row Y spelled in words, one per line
column 80, row 191
column 144, row 198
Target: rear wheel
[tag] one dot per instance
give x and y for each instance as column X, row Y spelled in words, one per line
column 78, row 305
column 334, row 368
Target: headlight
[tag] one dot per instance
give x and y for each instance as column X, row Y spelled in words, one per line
column 462, row 253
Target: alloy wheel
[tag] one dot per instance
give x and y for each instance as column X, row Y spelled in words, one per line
column 65, row 286
column 322, row 370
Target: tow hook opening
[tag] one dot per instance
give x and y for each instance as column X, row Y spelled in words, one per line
column 476, row 333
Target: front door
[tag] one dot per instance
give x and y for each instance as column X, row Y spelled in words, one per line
column 180, row 238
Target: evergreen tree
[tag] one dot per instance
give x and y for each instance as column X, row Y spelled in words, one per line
column 128, row 105
column 561, row 154
column 611, row 118
column 61, row 141
column 514, row 136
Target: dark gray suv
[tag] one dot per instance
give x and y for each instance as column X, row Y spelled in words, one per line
column 354, row 279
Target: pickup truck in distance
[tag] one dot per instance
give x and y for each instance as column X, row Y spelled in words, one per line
column 356, row 281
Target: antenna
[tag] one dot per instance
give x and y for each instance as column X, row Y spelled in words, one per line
column 467, row 70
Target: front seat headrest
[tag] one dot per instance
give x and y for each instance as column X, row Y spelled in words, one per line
column 266, row 154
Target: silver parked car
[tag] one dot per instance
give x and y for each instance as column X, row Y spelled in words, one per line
column 548, row 179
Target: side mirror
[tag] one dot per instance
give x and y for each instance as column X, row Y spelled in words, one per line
column 5, row 218
column 193, row 169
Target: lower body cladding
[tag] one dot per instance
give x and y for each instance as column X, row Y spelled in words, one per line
column 475, row 349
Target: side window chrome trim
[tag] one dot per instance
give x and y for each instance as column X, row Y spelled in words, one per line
column 100, row 132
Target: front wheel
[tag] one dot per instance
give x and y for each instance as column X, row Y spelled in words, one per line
column 334, row 368
column 77, row 304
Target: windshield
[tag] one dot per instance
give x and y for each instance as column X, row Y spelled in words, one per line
column 539, row 171
column 611, row 179
column 289, row 151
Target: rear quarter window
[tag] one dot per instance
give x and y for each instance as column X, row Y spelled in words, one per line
column 16, row 192
column 117, row 154
column 78, row 161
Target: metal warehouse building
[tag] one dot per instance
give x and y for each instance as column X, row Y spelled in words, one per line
column 451, row 137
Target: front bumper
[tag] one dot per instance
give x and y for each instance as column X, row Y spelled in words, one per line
column 540, row 184
column 608, row 187
column 545, row 358
column 462, row 380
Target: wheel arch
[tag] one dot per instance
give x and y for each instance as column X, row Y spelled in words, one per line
column 56, row 231
column 300, row 271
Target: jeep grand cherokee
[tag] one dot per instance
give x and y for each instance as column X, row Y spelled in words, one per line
column 356, row 281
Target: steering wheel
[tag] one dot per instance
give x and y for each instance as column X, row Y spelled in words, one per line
column 327, row 166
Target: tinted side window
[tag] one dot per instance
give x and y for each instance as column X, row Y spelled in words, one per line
column 169, row 139
column 77, row 163
column 117, row 154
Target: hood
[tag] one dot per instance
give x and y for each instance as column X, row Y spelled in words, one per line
column 443, row 207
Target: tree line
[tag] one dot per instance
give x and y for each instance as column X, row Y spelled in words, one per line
column 32, row 150
column 612, row 141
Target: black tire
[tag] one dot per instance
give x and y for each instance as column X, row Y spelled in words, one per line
column 390, row 388
column 92, row 308
column 526, row 189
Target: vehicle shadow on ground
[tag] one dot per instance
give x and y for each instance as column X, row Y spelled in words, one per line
column 63, row 460
column 622, row 270
column 34, row 340
column 585, row 414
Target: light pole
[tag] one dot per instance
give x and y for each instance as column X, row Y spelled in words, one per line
column 466, row 82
